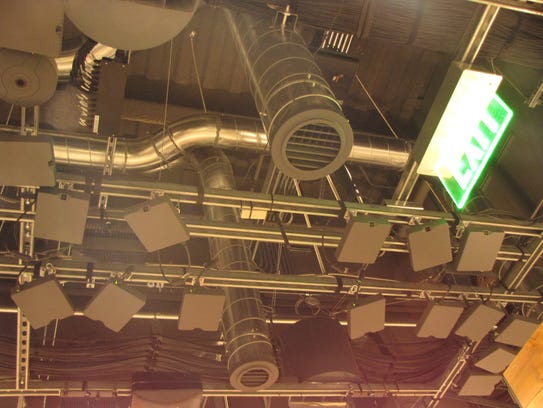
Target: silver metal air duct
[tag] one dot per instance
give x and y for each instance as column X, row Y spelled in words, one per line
column 200, row 131
column 249, row 352
column 309, row 135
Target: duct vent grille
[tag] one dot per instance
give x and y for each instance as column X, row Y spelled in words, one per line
column 313, row 146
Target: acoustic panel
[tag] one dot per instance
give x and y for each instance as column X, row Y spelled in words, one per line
column 479, row 248
column 367, row 316
column 429, row 245
column 516, row 330
column 496, row 358
column 438, row 319
column 362, row 239
column 42, row 301
column 61, row 215
column 26, row 161
column 114, row 305
column 478, row 320
column 478, row 383
column 201, row 310
column 157, row 224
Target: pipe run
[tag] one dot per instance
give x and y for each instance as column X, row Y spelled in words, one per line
column 204, row 130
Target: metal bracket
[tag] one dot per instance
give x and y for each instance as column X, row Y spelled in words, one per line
column 109, row 158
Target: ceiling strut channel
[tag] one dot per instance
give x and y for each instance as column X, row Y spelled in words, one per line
column 459, row 364
column 23, row 351
column 73, row 271
column 516, row 276
column 479, row 34
column 534, row 7
column 299, row 205
column 370, row 390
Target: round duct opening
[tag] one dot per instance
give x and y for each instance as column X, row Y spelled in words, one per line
column 312, row 144
column 254, row 376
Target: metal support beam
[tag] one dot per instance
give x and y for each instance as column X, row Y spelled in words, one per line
column 451, row 374
column 23, row 351
column 534, row 7
column 518, row 273
column 477, row 38
column 73, row 271
column 225, row 390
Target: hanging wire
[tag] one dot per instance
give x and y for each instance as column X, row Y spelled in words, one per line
column 376, row 107
column 192, row 36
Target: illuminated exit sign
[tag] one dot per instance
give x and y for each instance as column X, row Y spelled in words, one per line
column 462, row 161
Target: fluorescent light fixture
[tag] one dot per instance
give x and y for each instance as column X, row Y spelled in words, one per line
column 463, row 160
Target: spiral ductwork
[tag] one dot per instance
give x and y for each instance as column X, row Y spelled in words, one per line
column 309, row 135
column 249, row 352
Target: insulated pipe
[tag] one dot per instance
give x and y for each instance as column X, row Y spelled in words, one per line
column 203, row 130
column 310, row 137
column 249, row 351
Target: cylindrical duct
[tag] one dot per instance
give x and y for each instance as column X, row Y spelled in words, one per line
column 249, row 352
column 309, row 135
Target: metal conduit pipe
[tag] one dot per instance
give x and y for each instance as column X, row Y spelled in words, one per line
column 310, row 137
column 204, row 130
column 249, row 351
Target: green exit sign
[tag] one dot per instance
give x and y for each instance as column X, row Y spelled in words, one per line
column 462, row 161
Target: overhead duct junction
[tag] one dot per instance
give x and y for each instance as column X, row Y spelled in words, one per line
column 308, row 134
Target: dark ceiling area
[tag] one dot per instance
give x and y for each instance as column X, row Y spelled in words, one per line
column 173, row 253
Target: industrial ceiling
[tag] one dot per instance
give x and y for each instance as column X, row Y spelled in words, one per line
column 189, row 133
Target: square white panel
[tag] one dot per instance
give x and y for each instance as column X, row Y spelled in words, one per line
column 26, row 161
column 114, row 305
column 157, row 224
column 368, row 316
column 201, row 310
column 429, row 245
column 479, row 383
column 496, row 358
column 516, row 330
column 42, row 301
column 478, row 320
column 438, row 319
column 362, row 239
column 479, row 248
column 61, row 215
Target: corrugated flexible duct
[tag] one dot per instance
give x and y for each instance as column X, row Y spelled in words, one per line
column 309, row 135
column 249, row 351
column 203, row 130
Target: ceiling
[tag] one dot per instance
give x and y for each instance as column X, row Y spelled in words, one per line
column 390, row 75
